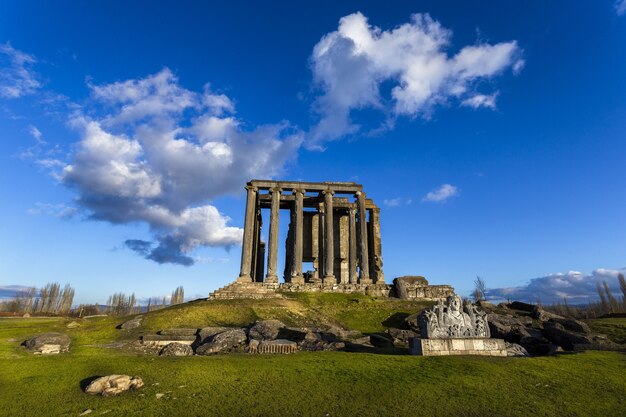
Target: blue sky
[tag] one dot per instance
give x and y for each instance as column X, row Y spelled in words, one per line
column 492, row 134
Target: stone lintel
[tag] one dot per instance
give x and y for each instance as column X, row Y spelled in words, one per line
column 449, row 347
column 338, row 187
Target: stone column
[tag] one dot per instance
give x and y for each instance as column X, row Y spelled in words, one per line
column 378, row 274
column 248, row 235
column 329, row 255
column 296, row 270
column 352, row 278
column 364, row 265
column 272, row 256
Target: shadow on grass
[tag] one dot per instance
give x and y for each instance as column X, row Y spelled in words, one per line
column 396, row 320
column 85, row 382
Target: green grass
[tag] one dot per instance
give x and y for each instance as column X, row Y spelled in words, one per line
column 614, row 328
column 302, row 384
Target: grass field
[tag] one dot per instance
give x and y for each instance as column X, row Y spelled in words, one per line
column 302, row 384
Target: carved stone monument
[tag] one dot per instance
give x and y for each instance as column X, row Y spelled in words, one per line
column 455, row 328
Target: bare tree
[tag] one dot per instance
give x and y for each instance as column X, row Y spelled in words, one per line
column 479, row 289
column 622, row 286
column 603, row 300
column 177, row 296
column 120, row 304
column 613, row 305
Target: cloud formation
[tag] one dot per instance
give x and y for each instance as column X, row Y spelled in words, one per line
column 574, row 286
column 441, row 194
column 17, row 77
column 160, row 153
column 620, row 7
column 351, row 64
column 397, row 202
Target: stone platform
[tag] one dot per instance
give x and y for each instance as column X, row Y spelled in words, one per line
column 449, row 347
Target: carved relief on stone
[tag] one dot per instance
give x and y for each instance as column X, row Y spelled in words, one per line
column 454, row 320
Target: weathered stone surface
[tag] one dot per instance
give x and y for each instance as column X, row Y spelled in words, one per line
column 226, row 341
column 467, row 346
column 131, row 324
column 48, row 344
column 518, row 305
column 265, row 329
column 72, row 325
column 206, row 333
column 567, row 339
column 403, row 285
column 543, row 315
column 178, row 332
column 158, row 340
column 400, row 337
column 277, row 346
column 113, row 385
column 412, row 322
column 380, row 341
column 339, row 334
column 572, row 324
column 513, row 349
column 453, row 319
column 176, row 349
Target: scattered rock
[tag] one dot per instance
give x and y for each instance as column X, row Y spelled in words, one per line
column 113, row 385
column 159, row 396
column 72, row 325
column 206, row 333
column 567, row 339
column 412, row 322
column 518, row 305
column 266, row 329
column 342, row 334
column 176, row 349
column 543, row 315
column 400, row 337
column 380, row 341
column 513, row 349
column 572, row 324
column 26, row 315
column 87, row 411
column 178, row 332
column 131, row 324
column 225, row 341
column 48, row 344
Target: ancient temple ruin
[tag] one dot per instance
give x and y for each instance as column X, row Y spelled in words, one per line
column 333, row 226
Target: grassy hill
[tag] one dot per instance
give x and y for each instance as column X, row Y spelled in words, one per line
column 302, row 384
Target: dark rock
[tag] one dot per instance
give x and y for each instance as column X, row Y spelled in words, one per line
column 412, row 322
column 265, row 329
column 48, row 344
column 340, row 334
column 401, row 337
column 380, row 341
column 226, row 341
column 176, row 349
column 572, row 324
column 518, row 305
column 567, row 339
column 131, row 324
column 543, row 315
column 206, row 333
column 292, row 333
column 178, row 332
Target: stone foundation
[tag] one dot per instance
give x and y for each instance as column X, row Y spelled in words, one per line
column 448, row 347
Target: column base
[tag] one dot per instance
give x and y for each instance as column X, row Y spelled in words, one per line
column 297, row 279
column 365, row 281
column 329, row 280
column 244, row 278
column 271, row 279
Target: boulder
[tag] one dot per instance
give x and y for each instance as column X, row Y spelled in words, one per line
column 178, row 332
column 206, row 333
column 518, row 305
column 564, row 338
column 113, row 385
column 543, row 315
column 226, row 341
column 400, row 337
column 572, row 324
column 48, row 344
column 412, row 322
column 265, row 329
column 131, row 324
column 340, row 334
column 513, row 349
column 176, row 349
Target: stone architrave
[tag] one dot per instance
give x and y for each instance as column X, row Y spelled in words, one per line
column 352, row 261
column 296, row 271
column 248, row 236
column 272, row 257
column 329, row 255
column 364, row 265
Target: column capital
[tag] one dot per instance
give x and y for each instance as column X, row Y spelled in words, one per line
column 359, row 194
column 251, row 187
column 298, row 190
column 276, row 190
column 331, row 192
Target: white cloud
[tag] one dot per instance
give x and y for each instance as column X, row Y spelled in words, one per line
column 36, row 133
column 481, row 100
column 441, row 194
column 17, row 78
column 350, row 65
column 397, row 202
column 57, row 210
column 620, row 7
column 160, row 153
column 574, row 286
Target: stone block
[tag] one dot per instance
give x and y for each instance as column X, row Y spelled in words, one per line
column 450, row 347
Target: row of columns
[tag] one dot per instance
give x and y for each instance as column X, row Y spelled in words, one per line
column 297, row 275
